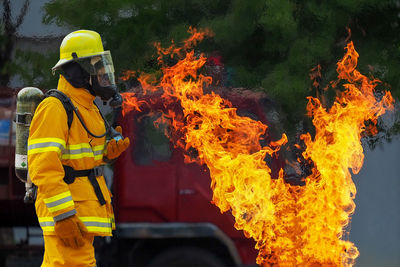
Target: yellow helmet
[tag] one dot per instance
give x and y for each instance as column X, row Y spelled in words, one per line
column 79, row 44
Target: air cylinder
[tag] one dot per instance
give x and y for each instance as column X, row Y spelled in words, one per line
column 28, row 99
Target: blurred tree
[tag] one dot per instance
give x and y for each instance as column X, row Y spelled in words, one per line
column 265, row 45
column 8, row 29
column 129, row 28
column 274, row 44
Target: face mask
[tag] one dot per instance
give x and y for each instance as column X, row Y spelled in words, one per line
column 105, row 91
column 102, row 80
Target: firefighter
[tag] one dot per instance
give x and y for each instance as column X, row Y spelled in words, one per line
column 65, row 162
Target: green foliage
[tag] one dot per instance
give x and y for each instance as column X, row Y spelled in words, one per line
column 130, row 28
column 270, row 44
column 287, row 38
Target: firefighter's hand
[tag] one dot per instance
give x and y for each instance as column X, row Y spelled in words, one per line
column 115, row 148
column 71, row 231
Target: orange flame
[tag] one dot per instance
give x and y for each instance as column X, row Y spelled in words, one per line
column 336, row 148
column 130, row 103
column 315, row 75
column 189, row 43
column 128, row 74
column 292, row 225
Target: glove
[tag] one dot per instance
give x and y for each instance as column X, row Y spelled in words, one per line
column 115, row 148
column 70, row 231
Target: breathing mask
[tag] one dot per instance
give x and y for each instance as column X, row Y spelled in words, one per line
column 102, row 80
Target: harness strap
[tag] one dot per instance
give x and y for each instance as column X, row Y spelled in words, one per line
column 68, row 106
column 71, row 174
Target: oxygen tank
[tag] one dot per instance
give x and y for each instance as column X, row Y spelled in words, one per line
column 27, row 101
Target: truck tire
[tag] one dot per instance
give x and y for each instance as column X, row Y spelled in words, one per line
column 186, row 256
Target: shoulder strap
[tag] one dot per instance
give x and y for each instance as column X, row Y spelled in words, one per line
column 70, row 108
column 66, row 103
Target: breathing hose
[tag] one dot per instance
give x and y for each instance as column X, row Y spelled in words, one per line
column 113, row 133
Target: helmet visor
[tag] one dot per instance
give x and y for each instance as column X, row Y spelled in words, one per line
column 101, row 66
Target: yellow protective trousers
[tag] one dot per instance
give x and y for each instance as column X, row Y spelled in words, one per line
column 58, row 255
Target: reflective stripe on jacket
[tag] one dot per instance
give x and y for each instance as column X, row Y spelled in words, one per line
column 50, row 145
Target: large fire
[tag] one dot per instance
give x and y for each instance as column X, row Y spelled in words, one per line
column 292, row 225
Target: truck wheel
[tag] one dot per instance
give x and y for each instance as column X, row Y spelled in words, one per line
column 186, row 256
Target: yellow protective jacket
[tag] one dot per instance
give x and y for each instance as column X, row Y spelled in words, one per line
column 51, row 145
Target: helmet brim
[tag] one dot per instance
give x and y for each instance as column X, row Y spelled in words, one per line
column 60, row 63
column 66, row 60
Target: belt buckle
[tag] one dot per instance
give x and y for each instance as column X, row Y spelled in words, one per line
column 98, row 171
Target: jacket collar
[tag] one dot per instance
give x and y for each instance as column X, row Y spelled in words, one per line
column 79, row 95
